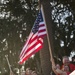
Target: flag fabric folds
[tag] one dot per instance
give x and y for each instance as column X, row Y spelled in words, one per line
column 35, row 40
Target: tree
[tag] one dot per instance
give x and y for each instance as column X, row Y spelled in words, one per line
column 14, row 27
column 63, row 18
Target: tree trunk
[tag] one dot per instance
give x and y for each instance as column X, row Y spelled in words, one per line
column 45, row 52
column 45, row 59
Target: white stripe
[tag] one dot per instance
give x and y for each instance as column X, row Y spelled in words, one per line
column 31, row 51
column 24, row 52
column 34, row 35
column 41, row 23
column 41, row 40
column 41, row 28
column 26, row 43
column 42, row 33
column 33, row 43
column 28, row 46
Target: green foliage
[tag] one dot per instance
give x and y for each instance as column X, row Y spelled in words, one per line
column 15, row 25
column 63, row 29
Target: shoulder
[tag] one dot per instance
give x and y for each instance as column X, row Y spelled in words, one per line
column 71, row 64
column 72, row 67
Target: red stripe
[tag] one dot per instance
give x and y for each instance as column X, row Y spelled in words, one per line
column 34, row 45
column 32, row 40
column 41, row 25
column 25, row 44
column 43, row 30
column 23, row 51
column 24, row 59
column 26, row 50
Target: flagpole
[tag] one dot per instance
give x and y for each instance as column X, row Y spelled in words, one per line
column 49, row 44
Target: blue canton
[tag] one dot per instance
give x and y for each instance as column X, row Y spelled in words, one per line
column 36, row 24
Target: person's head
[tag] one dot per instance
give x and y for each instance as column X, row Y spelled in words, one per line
column 28, row 71
column 66, row 68
column 65, row 60
column 58, row 66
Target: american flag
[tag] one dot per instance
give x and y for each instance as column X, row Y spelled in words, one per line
column 35, row 40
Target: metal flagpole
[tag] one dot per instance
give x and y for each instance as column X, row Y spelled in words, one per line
column 11, row 73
